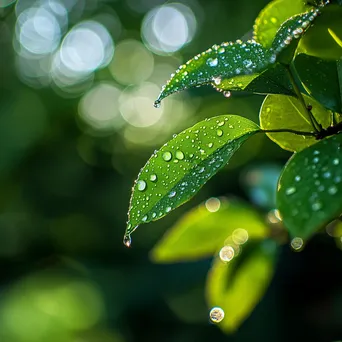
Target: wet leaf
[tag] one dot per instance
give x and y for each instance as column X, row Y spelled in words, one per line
column 279, row 111
column 200, row 232
column 183, row 165
column 287, row 38
column 310, row 188
column 273, row 80
column 225, row 61
column 320, row 78
column 238, row 286
column 272, row 16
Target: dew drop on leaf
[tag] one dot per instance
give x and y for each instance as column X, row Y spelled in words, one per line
column 227, row 253
column 290, row 191
column 172, row 194
column 297, row 178
column 316, row 206
column 336, row 161
column 219, row 132
column 180, row 155
column 213, row 62
column 153, row 178
column 297, row 243
column 332, row 190
column 216, row 314
column 168, row 209
column 167, row 156
column 141, row 186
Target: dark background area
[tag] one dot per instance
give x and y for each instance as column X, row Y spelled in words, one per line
column 76, row 124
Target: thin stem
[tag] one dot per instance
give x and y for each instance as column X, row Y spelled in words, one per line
column 285, row 130
column 315, row 125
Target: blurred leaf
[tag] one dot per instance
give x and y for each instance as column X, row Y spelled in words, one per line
column 310, row 188
column 279, row 111
column 200, row 232
column 274, row 80
column 287, row 38
column 238, row 286
column 320, row 79
column 272, row 16
column 176, row 172
column 225, row 61
column 322, row 38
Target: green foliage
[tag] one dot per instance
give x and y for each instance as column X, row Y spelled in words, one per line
column 279, row 108
column 200, row 232
column 301, row 74
column 310, row 188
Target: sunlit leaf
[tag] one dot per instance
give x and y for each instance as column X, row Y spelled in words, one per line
column 310, row 188
column 183, row 165
column 287, row 37
column 320, row 78
column 272, row 16
column 273, row 80
column 200, row 232
column 225, row 61
column 239, row 285
column 279, row 112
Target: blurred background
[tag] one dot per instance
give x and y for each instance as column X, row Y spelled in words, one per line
column 78, row 79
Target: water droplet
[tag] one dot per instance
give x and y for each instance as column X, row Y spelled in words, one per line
column 220, row 124
column 219, row 132
column 315, row 160
column 154, row 215
column 332, row 190
column 227, row 253
column 157, row 104
column 210, row 145
column 290, row 191
column 172, row 194
column 180, row 155
column 167, row 156
column 217, row 80
column 316, row 206
column 227, row 93
column 213, row 62
column 216, row 314
column 297, row 243
column 327, row 174
column 274, row 20
column 144, row 219
column 141, row 185
column 153, row 178
column 127, row 240
column 336, row 161
column 168, row 209
column 268, row 109
column 297, row 178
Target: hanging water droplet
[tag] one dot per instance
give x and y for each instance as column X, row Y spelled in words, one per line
column 141, row 185
column 227, row 93
column 216, row 314
column 127, row 240
column 219, row 132
column 167, row 156
column 157, row 104
column 213, row 62
column 180, row 155
column 153, row 178
column 172, row 194
column 227, row 253
column 297, row 243
column 290, row 191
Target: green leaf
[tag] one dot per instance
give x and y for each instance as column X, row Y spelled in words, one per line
column 284, row 112
column 310, row 188
column 320, row 79
column 183, row 165
column 273, row 80
column 272, row 16
column 221, row 61
column 238, row 286
column 286, row 40
column 200, row 232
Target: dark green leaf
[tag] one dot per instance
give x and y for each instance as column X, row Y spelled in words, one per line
column 320, row 78
column 239, row 285
column 272, row 16
column 279, row 112
column 221, row 61
column 183, row 165
column 286, row 40
column 339, row 74
column 310, row 188
column 200, row 232
column 273, row 80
